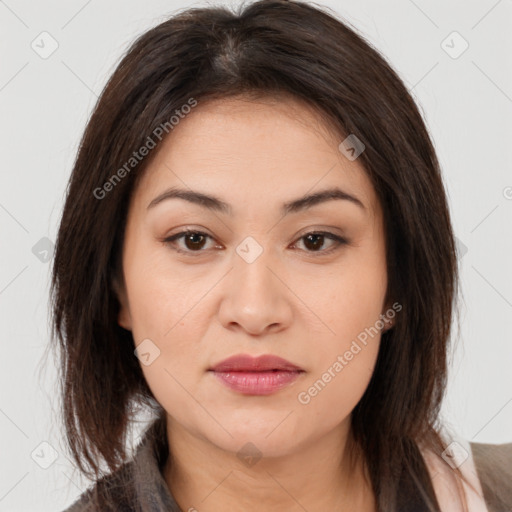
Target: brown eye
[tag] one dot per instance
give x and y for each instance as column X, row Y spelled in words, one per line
column 315, row 241
column 194, row 241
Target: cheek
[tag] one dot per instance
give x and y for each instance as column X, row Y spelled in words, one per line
column 159, row 296
column 164, row 309
column 346, row 338
column 175, row 373
column 161, row 327
column 175, row 391
column 345, row 302
column 332, row 393
column 170, row 321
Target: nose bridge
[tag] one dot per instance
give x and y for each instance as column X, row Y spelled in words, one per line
column 252, row 273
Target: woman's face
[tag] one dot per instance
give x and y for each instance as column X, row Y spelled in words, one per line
column 255, row 283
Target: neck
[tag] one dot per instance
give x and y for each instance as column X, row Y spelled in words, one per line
column 319, row 476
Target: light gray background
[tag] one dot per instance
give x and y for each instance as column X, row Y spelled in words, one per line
column 45, row 103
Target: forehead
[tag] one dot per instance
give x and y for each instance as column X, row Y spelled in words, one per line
column 278, row 147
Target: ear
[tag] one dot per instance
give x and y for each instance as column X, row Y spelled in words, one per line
column 124, row 318
column 389, row 319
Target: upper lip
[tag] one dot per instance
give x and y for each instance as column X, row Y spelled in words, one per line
column 244, row 362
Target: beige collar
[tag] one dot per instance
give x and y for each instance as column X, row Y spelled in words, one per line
column 457, row 454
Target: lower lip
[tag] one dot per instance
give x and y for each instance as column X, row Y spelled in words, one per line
column 257, row 383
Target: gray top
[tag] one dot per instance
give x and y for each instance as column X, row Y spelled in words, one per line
column 148, row 491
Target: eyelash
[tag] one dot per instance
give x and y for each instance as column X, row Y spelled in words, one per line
column 340, row 241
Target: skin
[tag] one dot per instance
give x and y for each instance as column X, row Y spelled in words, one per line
column 295, row 300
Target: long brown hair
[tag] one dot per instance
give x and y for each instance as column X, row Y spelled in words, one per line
column 268, row 47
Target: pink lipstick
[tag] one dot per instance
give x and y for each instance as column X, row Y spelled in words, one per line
column 262, row 375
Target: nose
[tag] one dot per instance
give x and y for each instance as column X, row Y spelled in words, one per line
column 255, row 297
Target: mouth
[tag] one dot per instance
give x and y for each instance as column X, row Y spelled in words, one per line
column 263, row 375
column 247, row 363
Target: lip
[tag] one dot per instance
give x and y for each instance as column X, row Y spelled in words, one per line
column 247, row 363
column 261, row 375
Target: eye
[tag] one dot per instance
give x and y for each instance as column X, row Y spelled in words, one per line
column 196, row 240
column 315, row 240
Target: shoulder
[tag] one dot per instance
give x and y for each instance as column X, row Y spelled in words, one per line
column 84, row 503
column 136, row 485
column 116, row 488
column 493, row 463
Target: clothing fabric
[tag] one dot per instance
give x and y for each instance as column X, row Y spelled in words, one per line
column 487, row 466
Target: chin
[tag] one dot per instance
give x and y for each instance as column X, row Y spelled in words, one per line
column 254, row 442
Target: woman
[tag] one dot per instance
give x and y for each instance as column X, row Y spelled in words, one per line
column 256, row 246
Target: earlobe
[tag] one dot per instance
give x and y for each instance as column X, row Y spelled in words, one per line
column 389, row 324
column 389, row 321
column 123, row 318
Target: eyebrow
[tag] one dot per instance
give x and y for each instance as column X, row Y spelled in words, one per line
column 215, row 204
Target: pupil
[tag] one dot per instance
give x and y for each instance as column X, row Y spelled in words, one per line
column 194, row 242
column 317, row 237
